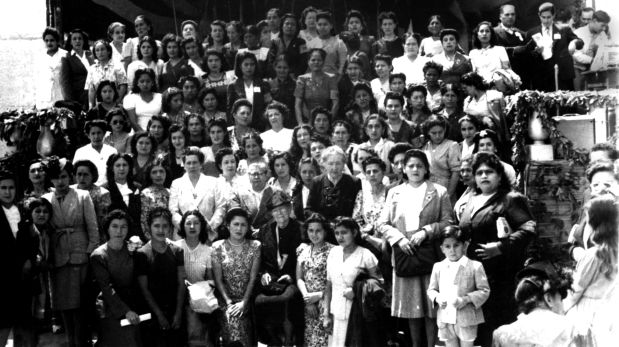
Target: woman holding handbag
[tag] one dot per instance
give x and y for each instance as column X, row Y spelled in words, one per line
column 415, row 212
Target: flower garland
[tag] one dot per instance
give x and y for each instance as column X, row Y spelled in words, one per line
column 521, row 106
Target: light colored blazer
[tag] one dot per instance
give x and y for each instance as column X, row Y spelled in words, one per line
column 205, row 197
column 435, row 213
column 471, row 281
column 74, row 222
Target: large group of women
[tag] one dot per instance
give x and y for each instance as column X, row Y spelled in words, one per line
column 314, row 181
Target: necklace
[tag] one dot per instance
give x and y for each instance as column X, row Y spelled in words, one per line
column 235, row 244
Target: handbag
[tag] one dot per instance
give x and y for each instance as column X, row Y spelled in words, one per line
column 274, row 288
column 420, row 263
column 202, row 297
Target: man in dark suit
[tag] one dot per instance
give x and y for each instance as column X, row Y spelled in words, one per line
column 548, row 46
column 509, row 36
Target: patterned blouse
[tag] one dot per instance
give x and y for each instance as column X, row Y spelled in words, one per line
column 235, row 265
column 368, row 206
column 109, row 71
column 150, row 198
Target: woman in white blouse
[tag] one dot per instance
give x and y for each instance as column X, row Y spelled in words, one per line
column 277, row 138
column 147, row 59
column 143, row 102
column 487, row 57
column 411, row 63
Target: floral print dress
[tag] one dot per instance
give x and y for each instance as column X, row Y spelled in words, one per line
column 236, row 266
column 314, row 267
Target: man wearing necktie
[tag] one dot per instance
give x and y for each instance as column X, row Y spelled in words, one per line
column 547, row 46
column 509, row 36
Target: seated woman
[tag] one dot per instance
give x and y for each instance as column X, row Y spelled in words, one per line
column 217, row 77
column 411, row 63
column 282, row 88
column 333, row 193
column 96, row 151
column 290, row 45
column 431, row 45
column 227, row 163
column 104, row 69
column 417, row 110
column 541, row 321
column 194, row 190
column 277, row 299
column 242, row 113
column 236, row 262
column 217, row 139
column 277, row 138
column 196, row 129
column 451, row 109
column 113, row 266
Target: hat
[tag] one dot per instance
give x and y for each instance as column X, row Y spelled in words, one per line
column 279, row 198
column 547, row 6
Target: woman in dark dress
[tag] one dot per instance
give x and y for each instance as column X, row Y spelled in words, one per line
column 501, row 227
column 390, row 43
column 176, row 65
column 290, row 45
column 113, row 268
column 173, row 159
column 124, row 191
column 333, row 193
column 280, row 239
column 74, row 68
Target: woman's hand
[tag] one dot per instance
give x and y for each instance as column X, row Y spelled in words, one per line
column 405, row 246
column 312, row 310
column 132, row 317
column 312, row 298
column 418, row 237
column 237, row 310
column 327, row 323
column 265, row 279
column 178, row 319
column 462, row 301
column 163, row 322
column 488, row 250
column 441, row 300
column 285, row 279
column 349, row 294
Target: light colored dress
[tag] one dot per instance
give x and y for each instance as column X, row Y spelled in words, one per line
column 430, row 46
column 591, row 291
column 48, row 89
column 236, row 271
column 342, row 274
column 412, row 70
column 336, row 53
column 487, row 60
column 369, row 206
column 144, row 111
column 444, row 161
column 314, row 269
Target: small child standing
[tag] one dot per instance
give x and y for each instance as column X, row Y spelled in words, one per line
column 595, row 274
column 459, row 286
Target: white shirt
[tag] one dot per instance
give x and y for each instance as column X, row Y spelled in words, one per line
column 486, row 61
column 124, row 191
column 249, row 92
column 156, row 66
column 449, row 288
column 143, row 110
column 277, row 141
column 412, row 70
column 413, row 198
column 544, row 40
column 99, row 158
column 48, row 89
column 13, row 217
column 380, row 91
